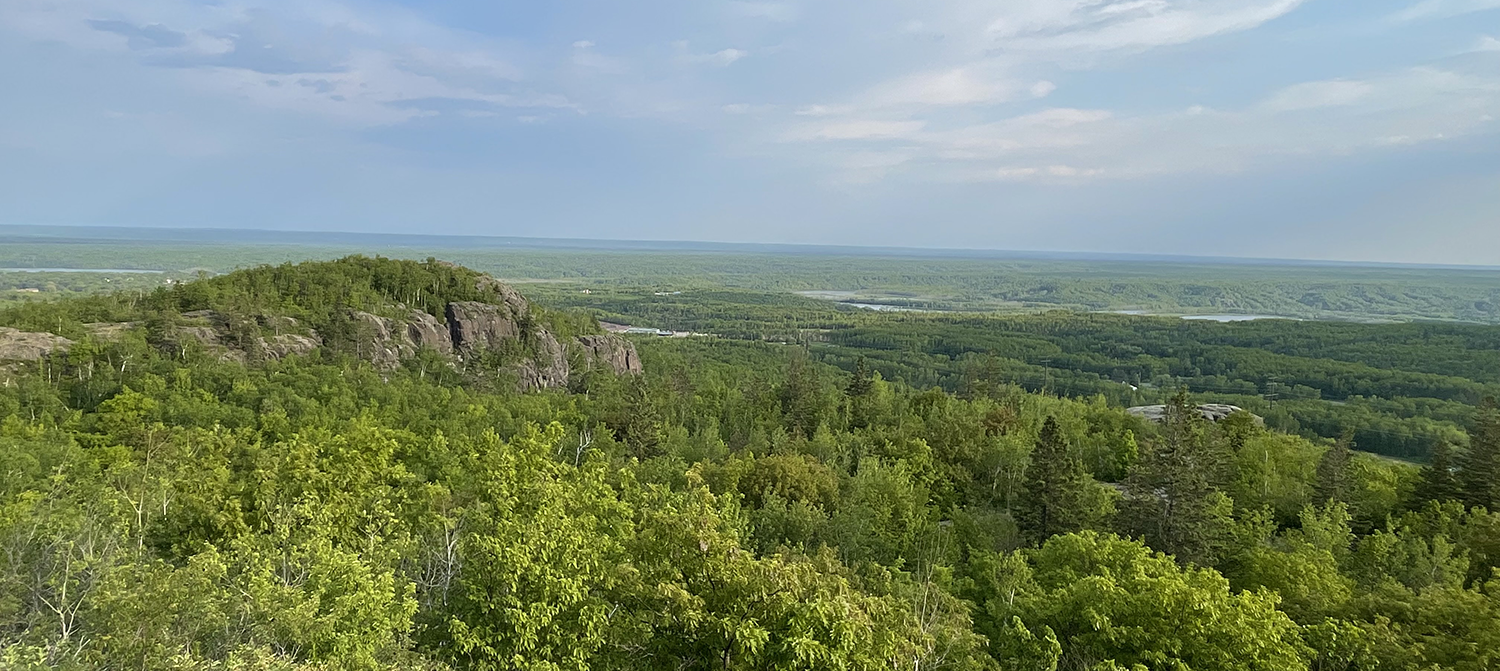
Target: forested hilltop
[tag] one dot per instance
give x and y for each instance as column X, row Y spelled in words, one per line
column 380, row 464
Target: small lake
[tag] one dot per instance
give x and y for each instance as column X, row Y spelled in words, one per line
column 112, row 271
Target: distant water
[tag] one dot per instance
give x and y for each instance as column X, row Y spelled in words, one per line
column 883, row 308
column 1232, row 318
column 1204, row 318
column 111, row 271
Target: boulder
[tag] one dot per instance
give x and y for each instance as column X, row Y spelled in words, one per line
column 17, row 345
column 610, row 352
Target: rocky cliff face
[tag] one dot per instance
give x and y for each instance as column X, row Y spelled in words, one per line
column 479, row 326
column 610, row 352
column 474, row 331
column 424, row 330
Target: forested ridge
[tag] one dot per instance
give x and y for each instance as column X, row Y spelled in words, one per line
column 862, row 499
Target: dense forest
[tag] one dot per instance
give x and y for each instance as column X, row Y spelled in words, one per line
column 890, row 494
column 1403, row 388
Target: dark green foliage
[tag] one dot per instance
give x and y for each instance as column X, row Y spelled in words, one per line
column 1170, row 499
column 1333, row 472
column 1056, row 499
column 1480, row 475
column 1438, row 481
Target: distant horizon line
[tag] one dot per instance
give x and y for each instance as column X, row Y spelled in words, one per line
column 441, row 241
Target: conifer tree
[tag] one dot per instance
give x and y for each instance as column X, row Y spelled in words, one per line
column 1055, row 499
column 863, row 381
column 1169, row 498
column 1439, row 482
column 1332, row 482
column 1480, row 467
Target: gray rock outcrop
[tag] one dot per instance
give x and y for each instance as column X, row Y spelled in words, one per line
column 381, row 340
column 610, row 352
column 424, row 330
column 547, row 368
column 287, row 344
column 1212, row 412
column 18, row 345
column 475, row 326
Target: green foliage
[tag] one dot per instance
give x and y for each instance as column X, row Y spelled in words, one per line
column 1087, row 601
column 743, row 505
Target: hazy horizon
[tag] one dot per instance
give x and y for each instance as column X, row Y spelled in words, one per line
column 393, row 242
column 1259, row 129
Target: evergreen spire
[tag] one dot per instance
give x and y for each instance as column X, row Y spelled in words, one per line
column 1055, row 499
column 1480, row 467
column 1439, row 483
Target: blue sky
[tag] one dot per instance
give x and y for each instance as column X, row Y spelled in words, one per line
column 1337, row 129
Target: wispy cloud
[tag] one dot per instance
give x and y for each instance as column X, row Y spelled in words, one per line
column 1400, row 108
column 722, row 57
column 1437, row 9
column 1317, row 95
column 356, row 70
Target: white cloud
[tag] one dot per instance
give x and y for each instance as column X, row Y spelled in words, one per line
column 1335, row 117
column 962, row 86
column 361, row 66
column 1486, row 43
column 1042, row 89
column 822, row 110
column 722, row 57
column 583, row 44
column 1316, row 95
column 1108, row 25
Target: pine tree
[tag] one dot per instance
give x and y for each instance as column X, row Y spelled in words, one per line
column 1439, row 483
column 1055, row 498
column 1332, row 482
column 863, row 381
column 1169, row 498
column 1480, row 467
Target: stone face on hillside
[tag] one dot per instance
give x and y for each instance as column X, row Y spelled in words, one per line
column 287, row 344
column 209, row 330
column 548, row 368
column 424, row 330
column 17, row 345
column 476, row 326
column 1212, row 412
column 610, row 351
column 381, row 340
